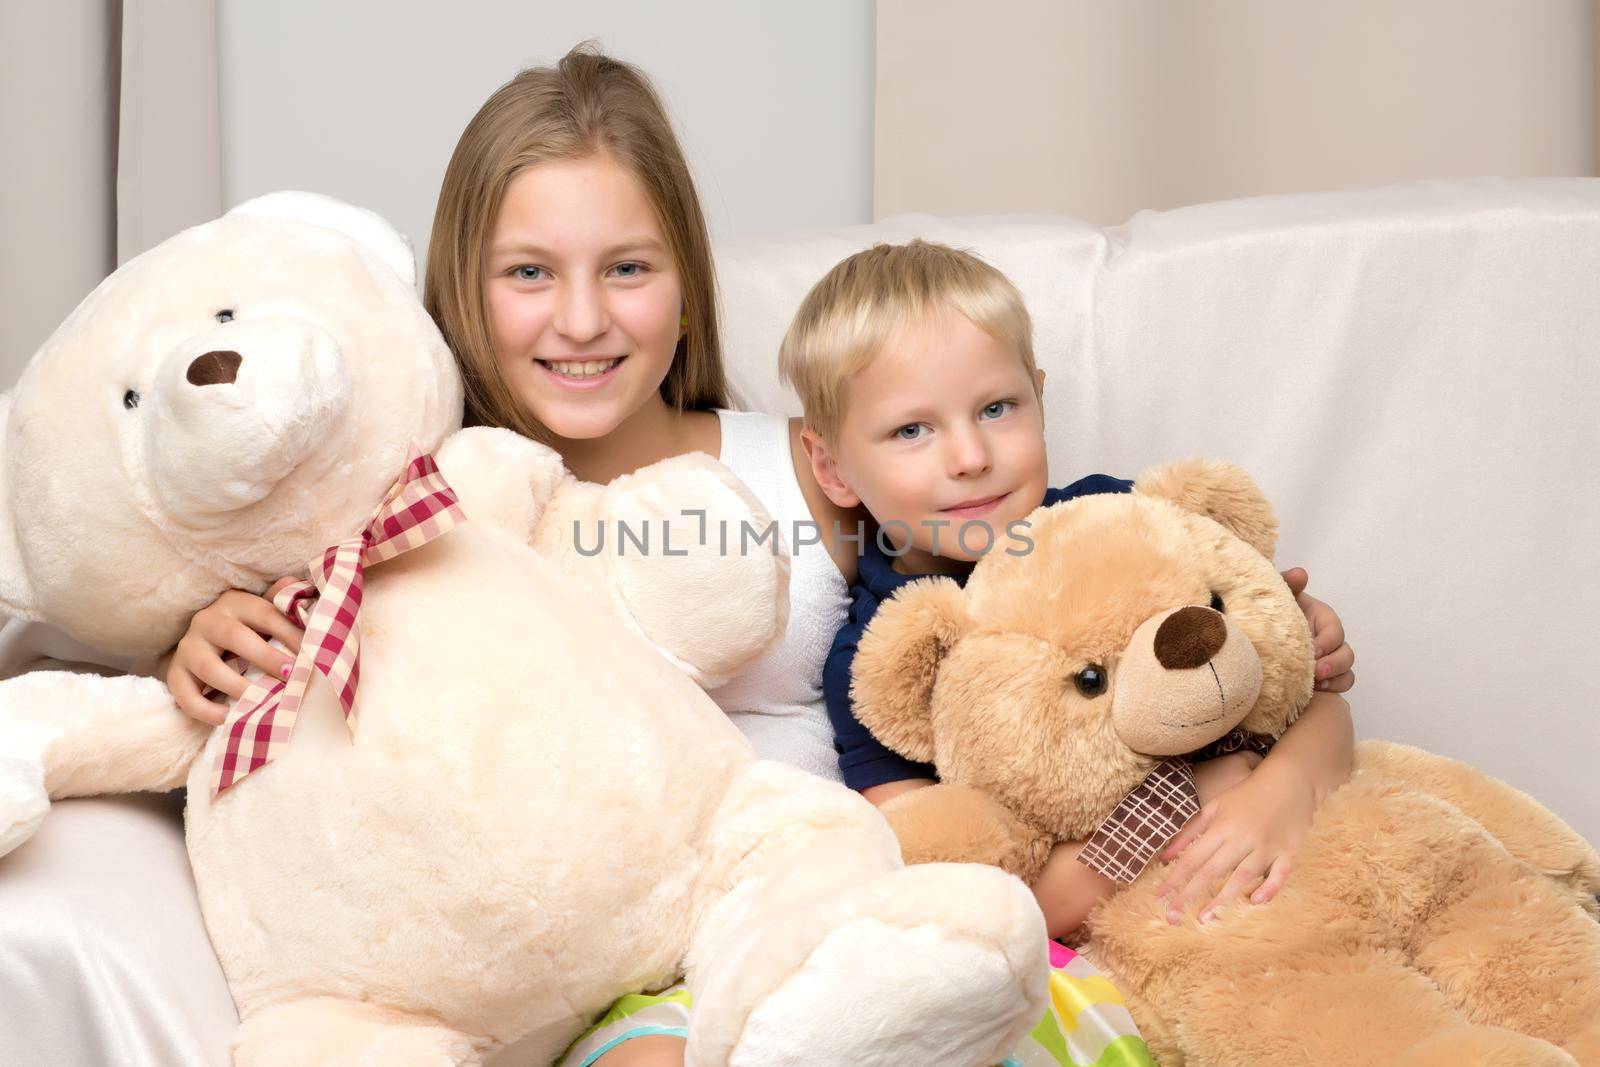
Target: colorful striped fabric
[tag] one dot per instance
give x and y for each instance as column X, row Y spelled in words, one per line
column 1086, row 1025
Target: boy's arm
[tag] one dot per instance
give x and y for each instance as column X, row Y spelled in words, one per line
column 1254, row 828
column 868, row 766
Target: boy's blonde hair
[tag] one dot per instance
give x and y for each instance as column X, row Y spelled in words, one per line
column 588, row 103
column 848, row 316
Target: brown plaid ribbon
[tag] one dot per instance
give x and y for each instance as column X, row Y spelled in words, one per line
column 1152, row 814
column 420, row 507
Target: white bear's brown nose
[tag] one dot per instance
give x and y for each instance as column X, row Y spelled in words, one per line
column 214, row 368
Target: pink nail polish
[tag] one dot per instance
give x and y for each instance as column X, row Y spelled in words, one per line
column 1206, row 916
column 285, row 671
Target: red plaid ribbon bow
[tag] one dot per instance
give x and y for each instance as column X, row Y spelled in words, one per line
column 420, row 507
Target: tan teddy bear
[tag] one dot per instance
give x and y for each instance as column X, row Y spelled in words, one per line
column 1435, row 915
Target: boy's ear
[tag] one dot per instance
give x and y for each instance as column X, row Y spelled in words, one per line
column 897, row 663
column 825, row 467
column 1221, row 492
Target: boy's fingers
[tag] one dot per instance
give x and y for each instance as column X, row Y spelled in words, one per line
column 186, row 694
column 1277, row 874
column 1296, row 578
column 1339, row 683
column 1335, row 663
column 1191, row 830
column 1215, row 870
column 1244, row 876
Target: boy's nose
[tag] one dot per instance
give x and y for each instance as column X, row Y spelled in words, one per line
column 581, row 313
column 968, row 455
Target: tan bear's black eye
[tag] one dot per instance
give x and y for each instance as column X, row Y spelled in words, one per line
column 130, row 400
column 225, row 315
column 1091, row 681
column 1216, row 602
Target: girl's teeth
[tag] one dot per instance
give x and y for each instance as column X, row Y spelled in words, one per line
column 584, row 368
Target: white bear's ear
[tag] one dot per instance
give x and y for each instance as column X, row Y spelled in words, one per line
column 16, row 596
column 367, row 228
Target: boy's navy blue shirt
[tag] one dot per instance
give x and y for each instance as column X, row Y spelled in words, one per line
column 863, row 760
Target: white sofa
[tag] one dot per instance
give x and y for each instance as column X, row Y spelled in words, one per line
column 1411, row 372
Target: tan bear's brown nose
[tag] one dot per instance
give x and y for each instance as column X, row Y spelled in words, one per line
column 214, row 368
column 1189, row 638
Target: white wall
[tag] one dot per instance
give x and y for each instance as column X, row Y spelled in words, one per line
column 1101, row 108
column 365, row 101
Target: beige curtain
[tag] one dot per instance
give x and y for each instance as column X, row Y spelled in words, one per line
column 1098, row 108
column 109, row 143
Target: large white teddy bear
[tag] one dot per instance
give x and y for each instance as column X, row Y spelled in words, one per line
column 538, row 808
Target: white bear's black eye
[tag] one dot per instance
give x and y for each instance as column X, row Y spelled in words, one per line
column 1091, row 681
column 1216, row 603
column 130, row 400
column 225, row 315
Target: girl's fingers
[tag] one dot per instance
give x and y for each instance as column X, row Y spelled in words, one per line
column 1277, row 874
column 1176, row 889
column 186, row 694
column 1327, row 632
column 1244, row 876
column 210, row 670
column 218, row 624
column 248, row 645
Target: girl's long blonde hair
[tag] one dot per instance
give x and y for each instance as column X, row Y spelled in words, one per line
column 585, row 104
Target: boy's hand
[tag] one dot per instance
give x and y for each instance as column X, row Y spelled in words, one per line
column 1250, row 830
column 1335, row 658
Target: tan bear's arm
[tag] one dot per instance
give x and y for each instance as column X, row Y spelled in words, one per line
column 959, row 824
column 668, row 545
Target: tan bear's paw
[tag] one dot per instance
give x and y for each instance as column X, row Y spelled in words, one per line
column 959, row 824
column 1483, row 1046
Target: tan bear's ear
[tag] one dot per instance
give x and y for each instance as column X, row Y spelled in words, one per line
column 1220, row 491
column 898, row 660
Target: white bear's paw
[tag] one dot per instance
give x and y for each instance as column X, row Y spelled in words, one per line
column 947, row 965
column 23, row 801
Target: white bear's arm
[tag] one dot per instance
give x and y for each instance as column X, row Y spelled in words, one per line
column 94, row 734
column 501, row 478
column 64, row 734
column 669, row 544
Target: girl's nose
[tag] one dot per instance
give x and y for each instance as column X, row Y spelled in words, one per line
column 581, row 314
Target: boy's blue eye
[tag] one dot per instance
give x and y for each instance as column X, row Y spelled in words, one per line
column 998, row 408
column 529, row 274
column 910, row 432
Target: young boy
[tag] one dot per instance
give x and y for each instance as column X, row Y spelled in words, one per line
column 923, row 405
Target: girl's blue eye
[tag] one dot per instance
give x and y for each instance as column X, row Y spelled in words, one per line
column 909, row 433
column 998, row 408
column 628, row 270
column 529, row 274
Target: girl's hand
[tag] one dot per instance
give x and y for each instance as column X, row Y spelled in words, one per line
column 235, row 622
column 1250, row 830
column 1335, row 658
